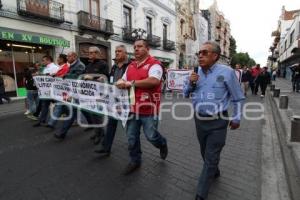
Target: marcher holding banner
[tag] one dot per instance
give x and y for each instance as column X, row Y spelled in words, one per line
column 51, row 69
column 117, row 71
column 96, row 67
column 76, row 68
column 143, row 78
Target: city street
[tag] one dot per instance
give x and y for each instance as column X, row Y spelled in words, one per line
column 34, row 165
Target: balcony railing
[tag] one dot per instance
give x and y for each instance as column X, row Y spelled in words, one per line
column 49, row 10
column 168, row 45
column 127, row 34
column 95, row 23
column 154, row 40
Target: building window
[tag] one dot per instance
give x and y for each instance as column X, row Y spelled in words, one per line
column 149, row 25
column 165, row 32
column 292, row 37
column 127, row 17
column 95, row 7
column 181, row 26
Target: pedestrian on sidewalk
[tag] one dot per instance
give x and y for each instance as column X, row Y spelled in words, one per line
column 274, row 74
column 214, row 87
column 296, row 77
column 263, row 79
column 246, row 78
column 2, row 89
column 32, row 91
column 255, row 72
column 143, row 77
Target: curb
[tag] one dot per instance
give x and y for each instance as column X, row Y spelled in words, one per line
column 290, row 150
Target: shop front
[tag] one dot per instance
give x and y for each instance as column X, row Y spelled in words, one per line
column 20, row 50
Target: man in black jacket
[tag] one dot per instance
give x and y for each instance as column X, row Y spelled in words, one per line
column 96, row 67
column 117, row 71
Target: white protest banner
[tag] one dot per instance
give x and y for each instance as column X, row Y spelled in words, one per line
column 44, row 84
column 176, row 78
column 96, row 97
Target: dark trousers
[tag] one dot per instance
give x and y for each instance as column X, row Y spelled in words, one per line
column 256, row 88
column 296, row 85
column 252, row 86
column 263, row 87
column 3, row 96
column 44, row 110
column 38, row 108
column 90, row 118
column 212, row 136
column 110, row 134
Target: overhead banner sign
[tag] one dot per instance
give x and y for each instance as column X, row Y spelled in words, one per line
column 176, row 78
column 22, row 36
column 96, row 97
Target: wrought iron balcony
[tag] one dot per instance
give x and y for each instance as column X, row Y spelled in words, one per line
column 127, row 34
column 86, row 21
column 168, row 45
column 48, row 10
column 154, row 40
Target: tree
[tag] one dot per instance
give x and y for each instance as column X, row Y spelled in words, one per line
column 232, row 47
column 243, row 59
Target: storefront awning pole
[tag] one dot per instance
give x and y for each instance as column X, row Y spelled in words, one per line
column 15, row 72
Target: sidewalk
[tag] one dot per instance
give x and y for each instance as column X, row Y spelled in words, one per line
column 282, row 118
column 16, row 106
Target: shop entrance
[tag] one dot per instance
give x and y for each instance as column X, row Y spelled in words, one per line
column 15, row 57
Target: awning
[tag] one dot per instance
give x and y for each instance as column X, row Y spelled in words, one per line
column 30, row 37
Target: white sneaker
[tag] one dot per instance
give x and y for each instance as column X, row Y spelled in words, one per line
column 262, row 96
column 27, row 112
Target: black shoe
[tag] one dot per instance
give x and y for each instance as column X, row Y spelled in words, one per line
column 37, row 124
column 199, row 198
column 164, row 152
column 50, row 127
column 131, row 167
column 102, row 152
column 60, row 137
column 217, row 174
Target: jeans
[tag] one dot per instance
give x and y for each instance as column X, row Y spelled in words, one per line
column 211, row 136
column 32, row 100
column 110, row 134
column 58, row 110
column 150, row 124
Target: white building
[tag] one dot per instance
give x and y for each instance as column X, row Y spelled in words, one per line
column 30, row 29
column 156, row 17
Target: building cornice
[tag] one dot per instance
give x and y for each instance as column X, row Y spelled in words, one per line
column 158, row 3
column 133, row 3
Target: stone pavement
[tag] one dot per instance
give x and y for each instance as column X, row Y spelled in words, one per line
column 36, row 166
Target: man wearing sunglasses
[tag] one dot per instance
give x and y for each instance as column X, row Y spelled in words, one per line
column 213, row 86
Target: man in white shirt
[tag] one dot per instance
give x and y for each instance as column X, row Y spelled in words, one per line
column 50, row 69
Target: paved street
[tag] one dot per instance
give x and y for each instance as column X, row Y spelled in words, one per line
column 36, row 166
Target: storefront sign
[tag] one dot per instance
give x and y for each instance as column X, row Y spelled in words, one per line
column 176, row 78
column 96, row 97
column 13, row 35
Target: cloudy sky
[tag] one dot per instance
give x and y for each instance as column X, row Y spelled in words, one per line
column 252, row 22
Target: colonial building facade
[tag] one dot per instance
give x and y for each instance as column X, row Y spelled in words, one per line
column 157, row 18
column 285, row 50
column 30, row 29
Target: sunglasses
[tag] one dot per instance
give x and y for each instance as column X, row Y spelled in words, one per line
column 204, row 52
